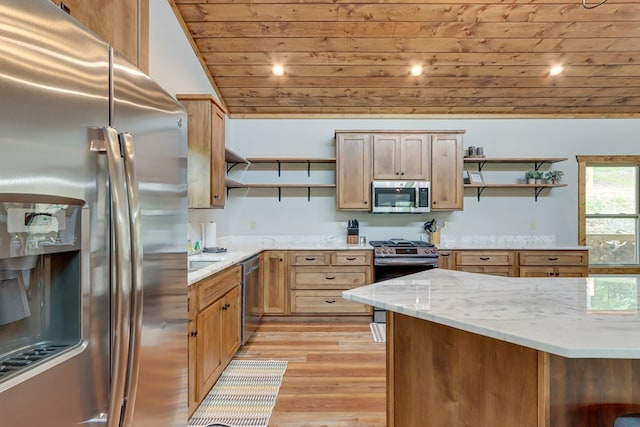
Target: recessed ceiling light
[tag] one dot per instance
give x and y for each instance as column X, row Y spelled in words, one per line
column 416, row 70
column 555, row 70
column 278, row 70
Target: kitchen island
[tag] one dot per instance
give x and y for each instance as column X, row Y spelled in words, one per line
column 466, row 349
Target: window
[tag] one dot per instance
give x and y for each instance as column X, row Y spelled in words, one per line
column 609, row 210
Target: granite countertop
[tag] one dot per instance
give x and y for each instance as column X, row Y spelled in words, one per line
column 241, row 250
column 568, row 317
column 508, row 246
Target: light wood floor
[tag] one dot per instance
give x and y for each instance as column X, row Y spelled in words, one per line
column 335, row 376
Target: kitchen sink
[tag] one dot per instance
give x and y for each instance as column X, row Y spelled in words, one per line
column 197, row 265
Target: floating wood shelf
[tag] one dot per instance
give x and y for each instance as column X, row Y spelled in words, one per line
column 537, row 188
column 536, row 161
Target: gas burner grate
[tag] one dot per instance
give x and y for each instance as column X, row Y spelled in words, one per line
column 16, row 362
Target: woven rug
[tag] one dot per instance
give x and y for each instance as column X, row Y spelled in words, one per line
column 379, row 332
column 244, row 395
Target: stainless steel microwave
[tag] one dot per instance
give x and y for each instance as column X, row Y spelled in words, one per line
column 401, row 196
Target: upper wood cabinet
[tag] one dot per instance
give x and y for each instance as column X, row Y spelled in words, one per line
column 401, row 156
column 206, row 161
column 365, row 155
column 447, row 182
column 124, row 24
column 353, row 171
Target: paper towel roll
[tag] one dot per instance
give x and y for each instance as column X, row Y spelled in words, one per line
column 210, row 235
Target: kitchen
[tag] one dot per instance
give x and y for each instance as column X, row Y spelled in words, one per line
column 294, row 217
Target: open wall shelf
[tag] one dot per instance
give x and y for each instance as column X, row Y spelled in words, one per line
column 278, row 162
column 537, row 162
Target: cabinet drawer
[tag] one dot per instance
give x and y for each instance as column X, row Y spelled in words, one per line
column 493, row 270
column 351, row 258
column 310, row 258
column 213, row 287
column 553, row 257
column 323, row 302
column 328, row 278
column 484, row 258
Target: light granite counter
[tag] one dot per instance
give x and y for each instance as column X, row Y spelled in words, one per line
column 555, row 315
column 239, row 250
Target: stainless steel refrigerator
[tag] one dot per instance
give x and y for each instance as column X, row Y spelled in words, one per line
column 93, row 214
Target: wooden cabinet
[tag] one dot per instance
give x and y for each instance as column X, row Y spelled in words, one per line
column 401, row 156
column 274, row 276
column 206, row 158
column 365, row 155
column 192, row 331
column 525, row 263
column 497, row 263
column 214, row 330
column 124, row 24
column 353, row 171
column 447, row 260
column 554, row 263
column 317, row 279
column 447, row 182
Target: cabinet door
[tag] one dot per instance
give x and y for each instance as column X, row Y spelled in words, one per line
column 414, row 157
column 192, row 337
column 446, row 260
column 124, row 24
column 230, row 325
column 205, row 162
column 447, row 184
column 218, row 165
column 386, row 150
column 209, row 356
column 274, row 274
column 353, row 172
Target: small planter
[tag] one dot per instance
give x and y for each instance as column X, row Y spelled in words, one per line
column 531, row 181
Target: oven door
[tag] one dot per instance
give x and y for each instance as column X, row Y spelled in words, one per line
column 391, row 268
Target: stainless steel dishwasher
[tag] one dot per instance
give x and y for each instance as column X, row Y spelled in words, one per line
column 252, row 307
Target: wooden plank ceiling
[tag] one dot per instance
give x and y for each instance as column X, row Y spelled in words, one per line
column 353, row 57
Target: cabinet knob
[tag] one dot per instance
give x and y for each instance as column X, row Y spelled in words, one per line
column 401, row 173
column 365, row 202
column 194, row 333
column 281, row 260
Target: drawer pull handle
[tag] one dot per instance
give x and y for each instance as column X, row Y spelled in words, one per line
column 310, row 258
column 330, row 277
column 553, row 258
column 444, row 254
column 485, row 258
column 329, row 301
column 351, row 258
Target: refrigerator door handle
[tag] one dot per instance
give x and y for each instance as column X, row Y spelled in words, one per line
column 126, row 142
column 121, row 253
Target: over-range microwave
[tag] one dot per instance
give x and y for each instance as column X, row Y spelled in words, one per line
column 400, row 196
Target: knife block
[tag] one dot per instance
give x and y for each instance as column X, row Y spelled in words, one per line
column 352, row 239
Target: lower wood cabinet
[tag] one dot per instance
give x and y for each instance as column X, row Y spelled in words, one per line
column 554, row 263
column 214, row 330
column 496, row 263
column 525, row 263
column 317, row 279
column 274, row 276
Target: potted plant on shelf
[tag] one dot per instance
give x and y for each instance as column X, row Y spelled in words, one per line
column 538, row 177
column 531, row 176
column 554, row 177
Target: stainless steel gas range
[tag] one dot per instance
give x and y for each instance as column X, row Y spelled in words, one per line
column 400, row 257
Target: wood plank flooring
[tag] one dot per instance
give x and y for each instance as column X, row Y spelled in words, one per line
column 335, row 375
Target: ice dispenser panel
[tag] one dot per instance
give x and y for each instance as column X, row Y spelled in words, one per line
column 40, row 280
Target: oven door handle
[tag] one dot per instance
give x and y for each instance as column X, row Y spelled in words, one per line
column 383, row 262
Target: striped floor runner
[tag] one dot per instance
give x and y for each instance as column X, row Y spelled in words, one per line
column 244, row 395
column 379, row 332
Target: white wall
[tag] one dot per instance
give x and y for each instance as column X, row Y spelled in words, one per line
column 499, row 212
